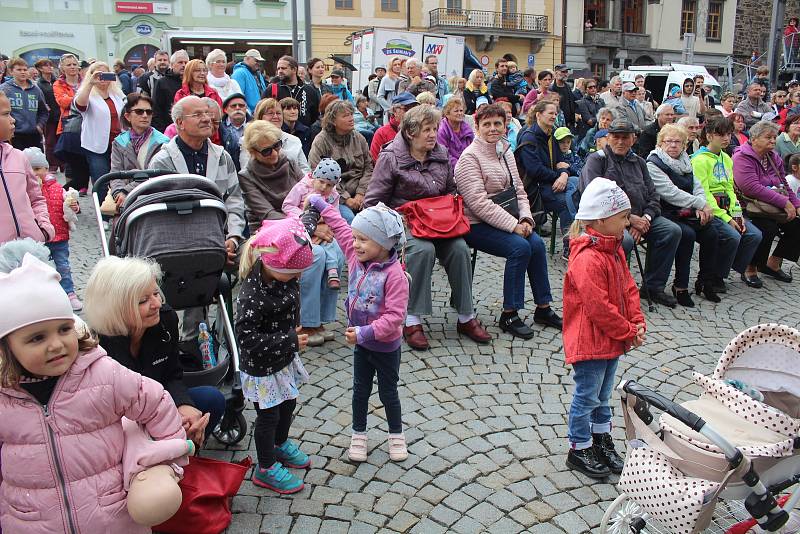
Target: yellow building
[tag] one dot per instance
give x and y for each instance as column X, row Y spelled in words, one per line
column 527, row 29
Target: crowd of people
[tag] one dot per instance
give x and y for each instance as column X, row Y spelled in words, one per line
column 317, row 175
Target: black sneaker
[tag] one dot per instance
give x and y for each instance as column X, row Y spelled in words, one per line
column 586, row 462
column 547, row 317
column 604, row 450
column 659, row 297
column 511, row 323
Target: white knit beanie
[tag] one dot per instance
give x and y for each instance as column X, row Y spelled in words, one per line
column 602, row 198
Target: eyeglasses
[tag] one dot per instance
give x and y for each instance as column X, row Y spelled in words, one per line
column 200, row 115
column 142, row 111
column 672, row 141
column 267, row 151
column 201, row 71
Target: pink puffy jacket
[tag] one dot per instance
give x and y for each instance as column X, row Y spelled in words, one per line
column 23, row 210
column 62, row 464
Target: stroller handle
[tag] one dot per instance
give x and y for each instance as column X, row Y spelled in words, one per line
column 693, row 421
column 134, row 175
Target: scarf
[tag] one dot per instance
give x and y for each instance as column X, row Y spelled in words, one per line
column 218, row 83
column 483, row 88
column 137, row 140
column 681, row 165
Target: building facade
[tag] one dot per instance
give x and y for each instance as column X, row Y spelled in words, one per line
column 134, row 30
column 609, row 35
column 526, row 29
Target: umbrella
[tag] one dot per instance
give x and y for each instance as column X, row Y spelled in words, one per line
column 346, row 64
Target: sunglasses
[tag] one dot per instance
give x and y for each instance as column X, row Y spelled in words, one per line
column 266, row 152
column 142, row 111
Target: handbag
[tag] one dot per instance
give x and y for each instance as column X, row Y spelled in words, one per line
column 439, row 217
column 764, row 210
column 69, row 142
column 507, row 198
column 207, row 488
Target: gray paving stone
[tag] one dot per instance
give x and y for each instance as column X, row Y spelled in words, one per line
column 460, row 501
column 485, row 513
column 308, row 507
column 571, row 522
column 334, row 527
column 372, row 518
column 467, row 525
column 443, row 514
column 276, row 524
column 335, row 511
column 244, row 524
column 357, row 527
column 306, row 524
column 389, row 504
column 402, row 521
column 426, row 526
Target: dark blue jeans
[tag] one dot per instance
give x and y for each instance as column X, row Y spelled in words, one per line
column 367, row 363
column 523, row 255
column 562, row 202
column 59, row 251
column 590, row 412
column 708, row 239
column 208, row 399
column 662, row 239
column 99, row 164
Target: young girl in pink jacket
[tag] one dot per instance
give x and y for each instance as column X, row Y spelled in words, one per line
column 61, row 402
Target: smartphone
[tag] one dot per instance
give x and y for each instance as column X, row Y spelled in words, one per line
column 108, row 76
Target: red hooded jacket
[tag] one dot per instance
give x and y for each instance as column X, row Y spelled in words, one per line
column 601, row 300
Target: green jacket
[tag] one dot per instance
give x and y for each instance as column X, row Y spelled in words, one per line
column 715, row 172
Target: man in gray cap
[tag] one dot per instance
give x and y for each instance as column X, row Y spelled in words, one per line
column 619, row 163
column 630, row 108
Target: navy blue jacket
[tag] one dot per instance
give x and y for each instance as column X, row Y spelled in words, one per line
column 535, row 157
column 230, row 142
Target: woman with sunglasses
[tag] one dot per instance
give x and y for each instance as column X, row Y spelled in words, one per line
column 269, row 109
column 135, row 147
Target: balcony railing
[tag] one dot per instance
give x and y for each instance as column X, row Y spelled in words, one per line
column 487, row 20
column 602, row 37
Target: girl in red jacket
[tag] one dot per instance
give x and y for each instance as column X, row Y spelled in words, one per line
column 602, row 320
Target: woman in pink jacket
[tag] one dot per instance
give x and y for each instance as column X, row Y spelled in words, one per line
column 23, row 210
column 62, row 402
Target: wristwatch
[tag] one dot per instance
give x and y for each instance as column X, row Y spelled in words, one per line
column 647, row 216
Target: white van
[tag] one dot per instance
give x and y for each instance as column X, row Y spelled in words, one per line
column 660, row 79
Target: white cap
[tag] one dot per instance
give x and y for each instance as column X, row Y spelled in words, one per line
column 629, row 86
column 601, row 199
column 254, row 53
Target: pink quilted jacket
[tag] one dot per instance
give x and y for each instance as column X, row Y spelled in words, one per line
column 62, row 464
column 23, row 210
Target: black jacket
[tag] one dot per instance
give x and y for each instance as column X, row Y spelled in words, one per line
column 50, row 99
column 471, row 99
column 158, row 355
column 306, row 94
column 163, row 97
column 630, row 173
column 534, row 156
column 301, row 132
column 230, row 142
column 588, row 108
column 647, row 139
column 265, row 321
column 567, row 102
column 500, row 88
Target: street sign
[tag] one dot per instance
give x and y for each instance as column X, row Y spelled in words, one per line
column 531, row 60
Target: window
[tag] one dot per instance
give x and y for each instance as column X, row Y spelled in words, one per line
column 454, row 5
column 595, row 12
column 599, row 70
column 344, row 4
column 632, row 13
column 688, row 16
column 714, row 25
column 388, row 5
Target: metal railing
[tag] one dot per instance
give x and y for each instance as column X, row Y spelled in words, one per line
column 487, row 20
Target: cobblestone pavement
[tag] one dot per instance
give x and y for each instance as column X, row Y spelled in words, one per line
column 486, row 425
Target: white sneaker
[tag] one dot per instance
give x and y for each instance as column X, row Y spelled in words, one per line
column 77, row 305
column 397, row 447
column 358, row 448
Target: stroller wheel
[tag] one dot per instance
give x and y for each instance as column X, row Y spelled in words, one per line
column 624, row 516
column 231, row 429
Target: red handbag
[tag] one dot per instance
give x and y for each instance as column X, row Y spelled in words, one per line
column 207, row 487
column 439, row 217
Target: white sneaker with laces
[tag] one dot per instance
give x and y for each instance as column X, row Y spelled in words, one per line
column 397, row 447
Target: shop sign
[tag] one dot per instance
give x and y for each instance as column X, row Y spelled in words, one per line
column 46, row 34
column 144, row 29
column 162, row 8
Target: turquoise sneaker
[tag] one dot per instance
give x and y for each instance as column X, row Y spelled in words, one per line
column 290, row 455
column 277, row 478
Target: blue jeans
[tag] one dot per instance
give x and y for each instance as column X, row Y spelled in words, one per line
column 662, row 239
column 367, row 363
column 333, row 255
column 522, row 255
column 59, row 251
column 99, row 164
column 590, row 411
column 317, row 301
column 208, row 399
column 708, row 239
column 735, row 250
column 346, row 213
column 562, row 202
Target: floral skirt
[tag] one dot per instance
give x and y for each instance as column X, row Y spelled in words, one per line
column 272, row 390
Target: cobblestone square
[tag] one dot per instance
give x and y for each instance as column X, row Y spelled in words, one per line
column 486, row 425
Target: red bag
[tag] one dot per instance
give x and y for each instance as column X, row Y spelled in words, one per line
column 436, row 217
column 207, row 487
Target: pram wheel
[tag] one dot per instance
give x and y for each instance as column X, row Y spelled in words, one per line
column 231, row 429
column 624, row 516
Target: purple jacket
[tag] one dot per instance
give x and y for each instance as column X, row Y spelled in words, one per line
column 754, row 181
column 455, row 143
column 398, row 177
column 377, row 293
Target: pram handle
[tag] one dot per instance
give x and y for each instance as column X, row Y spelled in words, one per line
column 693, row 421
column 134, row 175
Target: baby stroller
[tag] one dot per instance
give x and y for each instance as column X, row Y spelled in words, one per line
column 178, row 220
column 737, row 444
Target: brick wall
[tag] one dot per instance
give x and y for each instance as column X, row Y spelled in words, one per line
column 752, row 25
